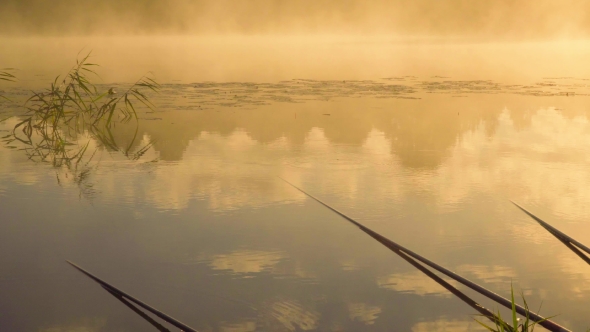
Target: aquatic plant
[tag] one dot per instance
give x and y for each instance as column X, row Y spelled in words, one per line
column 57, row 118
column 5, row 75
column 500, row 325
column 75, row 98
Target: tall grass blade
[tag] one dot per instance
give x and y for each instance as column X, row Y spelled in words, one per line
column 514, row 318
column 548, row 324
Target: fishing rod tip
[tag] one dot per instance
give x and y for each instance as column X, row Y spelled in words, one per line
column 517, row 205
column 74, row 265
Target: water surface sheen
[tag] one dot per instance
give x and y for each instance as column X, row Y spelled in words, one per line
column 200, row 225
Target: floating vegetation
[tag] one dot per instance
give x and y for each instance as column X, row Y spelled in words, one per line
column 60, row 122
column 206, row 95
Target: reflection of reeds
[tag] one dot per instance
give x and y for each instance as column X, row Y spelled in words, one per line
column 413, row 258
column 72, row 107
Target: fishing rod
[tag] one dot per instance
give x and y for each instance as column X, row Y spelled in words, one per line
column 462, row 296
column 546, row 323
column 124, row 296
column 142, row 314
column 568, row 241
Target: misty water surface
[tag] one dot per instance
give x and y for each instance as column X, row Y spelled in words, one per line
column 424, row 143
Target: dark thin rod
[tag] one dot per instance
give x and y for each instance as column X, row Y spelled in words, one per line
column 154, row 311
column 576, row 251
column 546, row 323
column 136, row 310
column 469, row 301
column 556, row 232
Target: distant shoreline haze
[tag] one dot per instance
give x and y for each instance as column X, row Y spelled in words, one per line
column 496, row 20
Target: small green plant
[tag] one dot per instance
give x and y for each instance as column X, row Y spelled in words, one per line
column 58, row 119
column 500, row 325
column 75, row 99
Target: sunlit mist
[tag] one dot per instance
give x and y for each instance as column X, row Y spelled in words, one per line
column 455, row 18
column 176, row 153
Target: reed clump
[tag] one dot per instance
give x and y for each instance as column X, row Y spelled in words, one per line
column 73, row 105
column 55, row 119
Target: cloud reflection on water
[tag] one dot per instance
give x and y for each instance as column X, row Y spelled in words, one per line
column 80, row 325
column 415, row 282
column 448, row 325
column 228, row 169
column 295, row 316
column 386, row 163
column 245, row 261
column 364, row 312
column 238, row 327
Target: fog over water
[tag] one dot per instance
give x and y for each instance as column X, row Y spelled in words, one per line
column 419, row 118
column 505, row 19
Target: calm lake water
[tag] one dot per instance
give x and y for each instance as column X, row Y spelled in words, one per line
column 423, row 141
